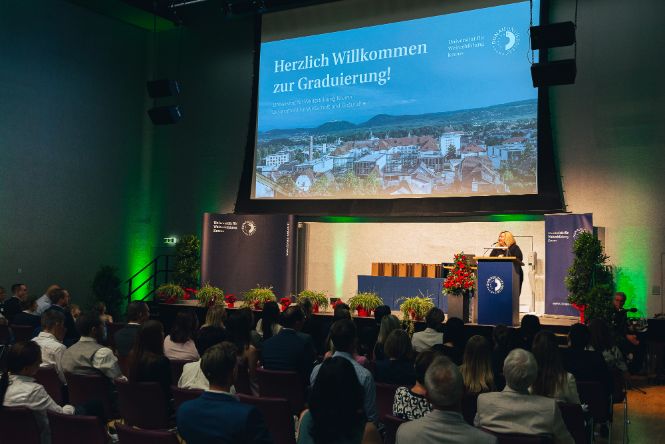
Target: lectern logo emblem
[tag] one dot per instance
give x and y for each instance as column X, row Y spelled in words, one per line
column 494, row 285
column 248, row 227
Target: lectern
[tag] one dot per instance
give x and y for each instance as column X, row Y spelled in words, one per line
column 498, row 290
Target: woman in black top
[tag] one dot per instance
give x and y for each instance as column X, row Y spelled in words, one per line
column 510, row 248
column 147, row 360
column 398, row 368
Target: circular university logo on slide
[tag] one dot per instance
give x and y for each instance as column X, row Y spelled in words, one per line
column 248, row 227
column 494, row 284
column 505, row 40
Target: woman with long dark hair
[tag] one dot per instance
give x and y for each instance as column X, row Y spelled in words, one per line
column 336, row 414
column 268, row 326
column 397, row 369
column 476, row 366
column 180, row 343
column 388, row 324
column 147, row 360
column 239, row 332
column 601, row 340
column 553, row 380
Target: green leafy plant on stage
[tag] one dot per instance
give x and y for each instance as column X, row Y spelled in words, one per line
column 106, row 288
column 187, row 262
column 209, row 295
column 367, row 301
column 319, row 298
column 258, row 296
column 415, row 307
column 169, row 293
column 590, row 280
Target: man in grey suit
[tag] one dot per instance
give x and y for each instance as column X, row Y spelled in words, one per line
column 444, row 424
column 514, row 410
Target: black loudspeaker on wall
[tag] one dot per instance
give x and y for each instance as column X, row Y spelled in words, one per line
column 163, row 88
column 165, row 115
column 561, row 72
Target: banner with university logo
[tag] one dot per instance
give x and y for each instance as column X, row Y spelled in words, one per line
column 239, row 252
column 560, row 233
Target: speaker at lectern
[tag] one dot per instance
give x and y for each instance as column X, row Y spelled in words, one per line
column 498, row 290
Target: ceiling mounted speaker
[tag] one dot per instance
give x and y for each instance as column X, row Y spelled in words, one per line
column 165, row 115
column 163, row 88
column 552, row 36
column 561, row 72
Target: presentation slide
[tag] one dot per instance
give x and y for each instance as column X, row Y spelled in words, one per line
column 440, row 106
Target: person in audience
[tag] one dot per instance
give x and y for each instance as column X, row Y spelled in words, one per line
column 343, row 337
column 137, row 313
column 12, row 306
column 335, row 413
column 627, row 341
column 87, row 356
column 192, row 376
column 515, row 410
column 585, row 365
column 601, row 340
column 553, row 380
column 388, row 324
column 213, row 327
column 60, row 302
column 369, row 333
column 476, row 366
column 239, row 332
column 424, row 340
column 19, row 389
column 103, row 315
column 44, row 301
column 179, row 345
column 503, row 344
column 75, row 310
column 28, row 316
column 412, row 403
column 398, row 368
column 445, row 423
column 217, row 416
column 453, row 340
column 148, row 363
column 268, row 325
column 50, row 341
column 529, row 327
column 290, row 349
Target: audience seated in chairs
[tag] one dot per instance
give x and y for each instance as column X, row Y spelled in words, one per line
column 343, row 337
column 60, row 303
column 432, row 335
column 369, row 334
column 192, row 376
column 336, row 413
column 412, row 403
column 87, row 356
column 19, row 389
column 453, row 340
column 217, row 415
column 239, row 332
column 137, row 313
column 476, row 366
column 601, row 340
column 389, row 323
column 179, row 345
column 268, row 325
column 12, row 306
column 44, row 301
column 503, row 344
column 213, row 327
column 290, row 349
column 445, row 423
column 553, row 380
column 585, row 365
column 398, row 368
column 49, row 341
column 515, row 410
column 147, row 360
column 106, row 318
column 529, row 327
column 29, row 314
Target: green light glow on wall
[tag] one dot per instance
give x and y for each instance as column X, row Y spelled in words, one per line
column 631, row 273
column 340, row 251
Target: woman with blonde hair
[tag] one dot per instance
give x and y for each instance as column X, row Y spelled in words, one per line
column 476, row 366
column 388, row 324
column 506, row 246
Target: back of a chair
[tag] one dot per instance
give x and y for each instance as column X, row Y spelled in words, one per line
column 594, row 394
column 143, row 404
column 48, row 377
column 519, row 438
column 124, row 363
column 391, row 424
column 181, row 395
column 242, row 384
column 277, row 416
column 23, row 332
column 84, row 388
column 18, row 426
column 66, row 429
column 385, row 395
column 130, row 435
column 282, row 384
column 469, row 407
column 573, row 417
column 176, row 369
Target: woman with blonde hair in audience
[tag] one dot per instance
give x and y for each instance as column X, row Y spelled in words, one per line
column 553, row 381
column 476, row 366
column 388, row 324
column 412, row 403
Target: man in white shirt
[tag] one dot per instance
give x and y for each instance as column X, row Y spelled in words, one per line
column 49, row 340
column 424, row 340
column 87, row 356
column 44, row 301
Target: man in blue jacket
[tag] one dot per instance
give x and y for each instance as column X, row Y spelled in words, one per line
column 217, row 416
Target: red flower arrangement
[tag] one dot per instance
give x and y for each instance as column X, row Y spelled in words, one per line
column 285, row 302
column 190, row 293
column 336, row 303
column 461, row 278
column 230, row 300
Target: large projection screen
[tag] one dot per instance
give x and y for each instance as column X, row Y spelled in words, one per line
column 429, row 107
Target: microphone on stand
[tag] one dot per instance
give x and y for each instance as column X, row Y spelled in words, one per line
column 630, row 310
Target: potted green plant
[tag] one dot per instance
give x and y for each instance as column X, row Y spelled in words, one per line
column 187, row 261
column 258, row 296
column 590, row 280
column 319, row 299
column 169, row 293
column 209, row 295
column 415, row 307
column 365, row 303
column 106, row 288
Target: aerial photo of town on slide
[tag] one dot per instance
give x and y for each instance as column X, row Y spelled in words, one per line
column 433, row 107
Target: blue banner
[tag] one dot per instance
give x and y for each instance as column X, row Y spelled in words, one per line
column 560, row 233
